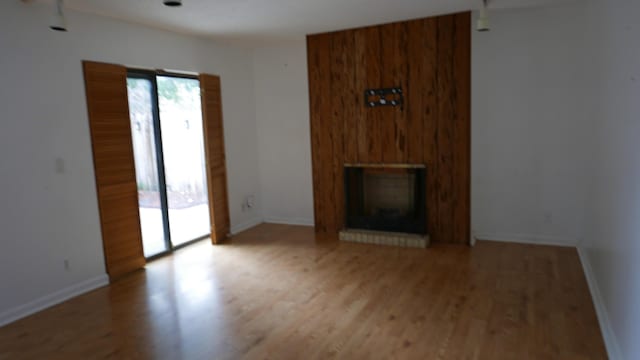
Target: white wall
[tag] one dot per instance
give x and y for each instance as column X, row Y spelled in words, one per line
column 556, row 123
column 282, row 112
column 528, row 126
column 611, row 246
column 47, row 217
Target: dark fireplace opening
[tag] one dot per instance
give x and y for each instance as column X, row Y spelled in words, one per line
column 386, row 198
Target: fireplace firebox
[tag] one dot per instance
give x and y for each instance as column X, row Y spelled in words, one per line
column 390, row 198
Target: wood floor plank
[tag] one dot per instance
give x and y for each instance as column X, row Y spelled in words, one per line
column 284, row 292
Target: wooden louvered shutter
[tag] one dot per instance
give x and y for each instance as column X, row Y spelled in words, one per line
column 107, row 102
column 216, row 160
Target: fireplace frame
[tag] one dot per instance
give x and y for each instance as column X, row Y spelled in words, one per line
column 414, row 224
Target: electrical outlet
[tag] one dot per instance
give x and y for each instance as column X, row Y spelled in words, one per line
column 250, row 201
column 67, row 266
column 247, row 203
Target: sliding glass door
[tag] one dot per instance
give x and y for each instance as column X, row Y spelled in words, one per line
column 184, row 160
column 142, row 105
column 168, row 143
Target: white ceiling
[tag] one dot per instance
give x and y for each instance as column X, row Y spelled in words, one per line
column 261, row 19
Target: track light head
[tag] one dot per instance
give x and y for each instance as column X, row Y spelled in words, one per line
column 483, row 20
column 173, row 3
column 58, row 21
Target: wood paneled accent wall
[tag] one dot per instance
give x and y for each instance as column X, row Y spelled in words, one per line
column 430, row 59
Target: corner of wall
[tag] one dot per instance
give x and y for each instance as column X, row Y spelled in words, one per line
column 246, row 225
column 613, row 349
column 289, row 221
column 527, row 239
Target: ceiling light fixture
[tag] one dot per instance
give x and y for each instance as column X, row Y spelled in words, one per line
column 483, row 19
column 58, row 21
column 173, row 3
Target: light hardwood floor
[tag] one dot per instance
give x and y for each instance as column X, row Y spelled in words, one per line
column 277, row 292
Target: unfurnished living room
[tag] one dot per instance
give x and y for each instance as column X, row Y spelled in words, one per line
column 298, row 179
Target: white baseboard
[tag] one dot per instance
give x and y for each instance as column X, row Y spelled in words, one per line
column 527, row 239
column 290, row 221
column 613, row 350
column 50, row 300
column 245, row 225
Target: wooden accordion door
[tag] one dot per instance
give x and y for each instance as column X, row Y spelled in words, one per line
column 107, row 103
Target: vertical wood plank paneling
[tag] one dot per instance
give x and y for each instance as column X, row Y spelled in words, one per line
column 430, row 59
column 393, row 120
column 400, row 78
column 340, row 79
column 446, row 107
column 373, row 119
column 417, row 90
column 353, row 105
column 430, row 139
column 430, row 81
column 327, row 144
column 361, row 83
column 462, row 129
column 107, row 103
column 422, row 107
column 216, row 157
column 388, row 75
column 319, row 67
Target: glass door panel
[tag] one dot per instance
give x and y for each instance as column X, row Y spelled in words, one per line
column 184, row 158
column 141, row 100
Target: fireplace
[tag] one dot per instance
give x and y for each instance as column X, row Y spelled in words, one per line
column 390, row 198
